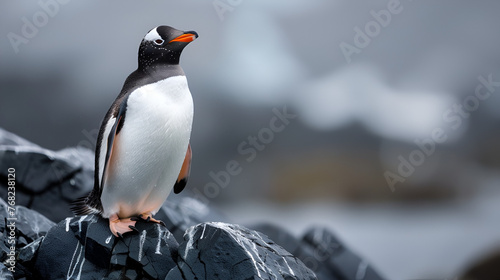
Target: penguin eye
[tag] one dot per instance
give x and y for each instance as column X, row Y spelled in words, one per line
column 158, row 41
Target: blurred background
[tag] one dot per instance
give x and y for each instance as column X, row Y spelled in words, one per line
column 377, row 119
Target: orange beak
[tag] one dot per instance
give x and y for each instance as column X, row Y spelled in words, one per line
column 186, row 38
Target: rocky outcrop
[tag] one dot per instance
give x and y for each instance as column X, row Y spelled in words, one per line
column 197, row 242
column 46, row 181
column 228, row 251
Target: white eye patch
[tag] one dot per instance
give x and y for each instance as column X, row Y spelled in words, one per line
column 153, row 36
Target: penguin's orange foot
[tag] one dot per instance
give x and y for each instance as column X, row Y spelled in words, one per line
column 120, row 226
column 148, row 217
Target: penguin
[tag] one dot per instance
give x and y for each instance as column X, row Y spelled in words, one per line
column 143, row 149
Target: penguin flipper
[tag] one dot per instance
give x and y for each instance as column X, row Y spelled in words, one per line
column 181, row 182
column 91, row 204
column 111, row 146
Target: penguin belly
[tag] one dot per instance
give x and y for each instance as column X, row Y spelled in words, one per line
column 149, row 150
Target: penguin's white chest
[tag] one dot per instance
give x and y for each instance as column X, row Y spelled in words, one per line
column 149, row 150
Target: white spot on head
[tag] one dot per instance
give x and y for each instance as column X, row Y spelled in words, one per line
column 152, row 35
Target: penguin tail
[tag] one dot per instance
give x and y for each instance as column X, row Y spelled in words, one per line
column 81, row 206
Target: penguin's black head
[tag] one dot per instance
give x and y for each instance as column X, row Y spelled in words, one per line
column 163, row 45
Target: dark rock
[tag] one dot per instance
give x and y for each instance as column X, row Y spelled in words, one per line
column 46, row 181
column 84, row 247
column 26, row 259
column 29, row 224
column 320, row 251
column 5, row 274
column 61, row 253
column 485, row 267
column 180, row 213
column 331, row 259
column 226, row 251
column 296, row 246
column 19, row 227
column 280, row 236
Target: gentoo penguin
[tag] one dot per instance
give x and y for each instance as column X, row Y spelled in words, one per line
column 143, row 148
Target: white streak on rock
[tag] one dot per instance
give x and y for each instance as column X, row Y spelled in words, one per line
column 141, row 243
column 67, row 224
column 203, row 232
column 360, row 273
column 80, row 223
column 160, row 235
column 289, row 268
column 260, row 263
column 79, row 247
column 189, row 245
column 80, row 270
